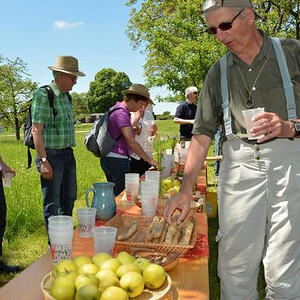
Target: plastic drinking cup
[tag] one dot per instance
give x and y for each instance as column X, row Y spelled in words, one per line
column 152, row 175
column 61, row 244
column 60, row 220
column 6, row 179
column 132, row 181
column 248, row 114
column 86, row 221
column 104, row 239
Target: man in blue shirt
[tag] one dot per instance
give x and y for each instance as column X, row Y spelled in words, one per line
column 185, row 113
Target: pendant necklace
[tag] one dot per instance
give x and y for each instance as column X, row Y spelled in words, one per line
column 249, row 101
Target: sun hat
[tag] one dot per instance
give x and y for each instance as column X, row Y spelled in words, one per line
column 210, row 5
column 67, row 64
column 138, row 89
column 190, row 90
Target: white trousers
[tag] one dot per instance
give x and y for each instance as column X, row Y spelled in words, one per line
column 259, row 219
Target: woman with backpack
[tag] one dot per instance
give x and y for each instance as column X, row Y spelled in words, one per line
column 117, row 162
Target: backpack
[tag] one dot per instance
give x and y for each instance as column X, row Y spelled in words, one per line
column 98, row 140
column 28, row 138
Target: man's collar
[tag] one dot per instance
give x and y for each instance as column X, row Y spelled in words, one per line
column 56, row 90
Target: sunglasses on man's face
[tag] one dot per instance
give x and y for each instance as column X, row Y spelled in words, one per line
column 224, row 26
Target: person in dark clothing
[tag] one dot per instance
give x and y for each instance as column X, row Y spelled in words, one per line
column 186, row 112
column 4, row 168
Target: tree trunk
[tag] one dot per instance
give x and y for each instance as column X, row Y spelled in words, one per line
column 17, row 128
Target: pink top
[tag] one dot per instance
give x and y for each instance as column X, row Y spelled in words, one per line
column 118, row 119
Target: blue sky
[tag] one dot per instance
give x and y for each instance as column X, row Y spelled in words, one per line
column 38, row 31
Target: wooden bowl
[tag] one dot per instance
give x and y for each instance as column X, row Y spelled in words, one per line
column 168, row 260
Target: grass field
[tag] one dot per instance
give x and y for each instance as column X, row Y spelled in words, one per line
column 25, row 238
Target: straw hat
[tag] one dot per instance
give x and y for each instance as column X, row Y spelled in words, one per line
column 138, row 89
column 67, row 64
column 210, row 5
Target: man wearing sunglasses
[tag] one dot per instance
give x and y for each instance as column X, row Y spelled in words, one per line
column 259, row 180
column 186, row 112
column 53, row 131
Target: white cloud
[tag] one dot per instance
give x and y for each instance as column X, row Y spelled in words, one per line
column 66, row 25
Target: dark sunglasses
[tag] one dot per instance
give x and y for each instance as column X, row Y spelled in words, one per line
column 195, row 93
column 223, row 26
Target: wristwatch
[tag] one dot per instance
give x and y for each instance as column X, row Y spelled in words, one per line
column 44, row 159
column 296, row 125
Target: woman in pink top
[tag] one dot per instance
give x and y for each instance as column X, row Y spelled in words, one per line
column 116, row 163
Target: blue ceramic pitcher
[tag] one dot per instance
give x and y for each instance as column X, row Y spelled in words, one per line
column 103, row 200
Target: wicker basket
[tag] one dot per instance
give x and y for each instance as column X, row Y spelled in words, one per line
column 146, row 295
column 121, row 222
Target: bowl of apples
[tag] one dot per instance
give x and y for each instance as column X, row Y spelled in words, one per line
column 104, row 277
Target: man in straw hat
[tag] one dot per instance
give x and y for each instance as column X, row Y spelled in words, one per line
column 186, row 112
column 54, row 136
column 259, row 180
column 116, row 163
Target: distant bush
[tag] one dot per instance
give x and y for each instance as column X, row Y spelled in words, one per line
column 166, row 115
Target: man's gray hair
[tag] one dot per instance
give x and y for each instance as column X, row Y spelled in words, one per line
column 190, row 90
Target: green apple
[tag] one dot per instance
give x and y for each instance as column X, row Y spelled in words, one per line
column 114, row 293
column 66, row 265
column 88, row 292
column 102, row 274
column 142, row 262
column 81, row 260
column 176, row 182
column 133, row 283
column 127, row 268
column 101, row 257
column 84, row 279
column 111, row 264
column 167, row 183
column 88, row 268
column 154, row 276
column 125, row 258
column 62, row 288
column 71, row 275
column 107, row 282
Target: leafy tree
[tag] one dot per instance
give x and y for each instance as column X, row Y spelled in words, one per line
column 179, row 53
column 106, row 89
column 16, row 90
column 79, row 103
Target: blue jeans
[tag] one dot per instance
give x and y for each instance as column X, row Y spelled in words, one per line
column 60, row 193
column 115, row 170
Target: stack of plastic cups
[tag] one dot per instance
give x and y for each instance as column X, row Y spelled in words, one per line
column 61, row 231
column 86, row 221
column 149, row 199
column 167, row 164
column 132, row 181
column 153, row 176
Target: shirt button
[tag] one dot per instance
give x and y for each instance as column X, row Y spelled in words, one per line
column 250, row 70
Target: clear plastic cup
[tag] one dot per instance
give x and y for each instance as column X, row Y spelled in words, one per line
column 152, row 175
column 132, row 182
column 61, row 244
column 60, row 220
column 86, row 221
column 248, row 114
column 149, row 198
column 104, row 238
column 7, row 178
column 167, row 164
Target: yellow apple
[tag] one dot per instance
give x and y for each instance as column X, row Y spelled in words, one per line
column 66, row 265
column 127, row 268
column 88, row 268
column 69, row 274
column 114, row 293
column 101, row 257
column 88, row 292
column 154, row 276
column 142, row 262
column 176, row 182
column 107, row 282
column 81, row 260
column 111, row 264
column 125, row 258
column 133, row 283
column 62, row 288
column 102, row 274
column 167, row 183
column 84, row 279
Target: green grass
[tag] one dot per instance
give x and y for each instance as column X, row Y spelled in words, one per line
column 25, row 237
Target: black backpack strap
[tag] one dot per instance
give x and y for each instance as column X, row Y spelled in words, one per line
column 50, row 97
